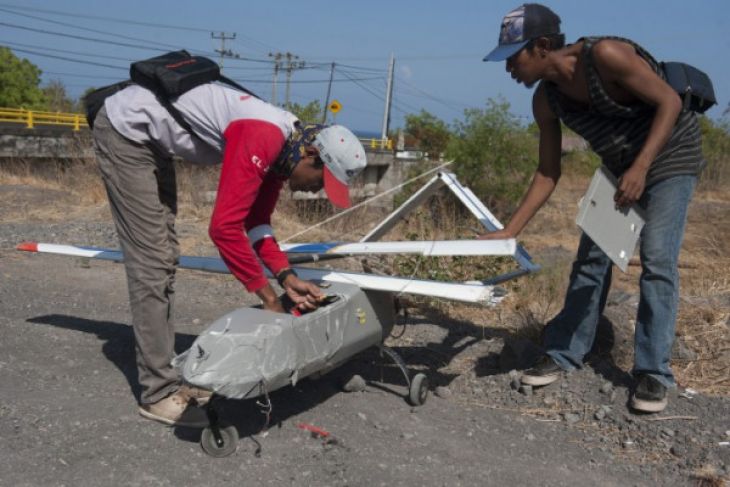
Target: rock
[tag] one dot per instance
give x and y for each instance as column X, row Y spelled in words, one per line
column 680, row 350
column 355, row 384
column 628, row 444
column 442, row 392
column 668, row 432
column 600, row 414
column 362, row 416
column 606, row 388
column 515, row 384
column 571, row 418
column 530, row 437
column 678, row 450
column 526, row 390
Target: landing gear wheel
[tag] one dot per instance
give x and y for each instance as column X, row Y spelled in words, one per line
column 227, row 444
column 418, row 392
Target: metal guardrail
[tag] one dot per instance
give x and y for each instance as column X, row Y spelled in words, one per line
column 31, row 118
column 378, row 144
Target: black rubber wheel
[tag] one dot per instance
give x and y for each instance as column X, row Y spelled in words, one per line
column 418, row 392
column 229, row 437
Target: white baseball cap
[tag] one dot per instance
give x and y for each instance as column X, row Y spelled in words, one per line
column 344, row 158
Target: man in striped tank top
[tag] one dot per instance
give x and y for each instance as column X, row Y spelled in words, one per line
column 613, row 93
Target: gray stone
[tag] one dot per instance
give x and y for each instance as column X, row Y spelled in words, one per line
column 571, row 418
column 355, row 384
column 606, row 388
column 530, row 437
column 678, row 450
column 680, row 350
column 599, row 415
column 442, row 392
column 526, row 390
column 515, row 384
column 668, row 432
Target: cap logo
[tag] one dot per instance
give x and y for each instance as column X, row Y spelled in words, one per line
column 513, row 27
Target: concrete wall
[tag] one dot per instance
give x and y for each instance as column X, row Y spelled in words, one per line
column 383, row 171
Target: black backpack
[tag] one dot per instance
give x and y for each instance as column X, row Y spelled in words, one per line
column 167, row 76
column 693, row 86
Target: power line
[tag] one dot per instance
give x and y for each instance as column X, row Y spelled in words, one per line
column 108, row 19
column 77, row 75
column 90, row 63
column 83, row 38
column 78, row 53
column 96, row 31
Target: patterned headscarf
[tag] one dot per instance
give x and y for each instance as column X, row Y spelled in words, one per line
column 295, row 148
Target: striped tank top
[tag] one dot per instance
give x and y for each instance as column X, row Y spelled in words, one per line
column 617, row 132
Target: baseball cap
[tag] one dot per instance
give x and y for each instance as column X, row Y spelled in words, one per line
column 344, row 158
column 520, row 26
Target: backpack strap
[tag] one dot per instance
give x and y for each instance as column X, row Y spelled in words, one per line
column 232, row 83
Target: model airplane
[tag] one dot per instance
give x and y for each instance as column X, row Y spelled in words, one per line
column 251, row 352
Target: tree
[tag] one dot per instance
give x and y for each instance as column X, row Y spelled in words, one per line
column 309, row 113
column 19, row 80
column 431, row 134
column 494, row 154
column 57, row 100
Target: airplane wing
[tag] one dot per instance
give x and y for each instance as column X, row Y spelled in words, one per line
column 422, row 247
column 466, row 292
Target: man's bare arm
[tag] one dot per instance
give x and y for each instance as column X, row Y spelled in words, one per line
column 618, row 63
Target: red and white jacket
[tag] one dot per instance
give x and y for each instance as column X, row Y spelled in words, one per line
column 245, row 134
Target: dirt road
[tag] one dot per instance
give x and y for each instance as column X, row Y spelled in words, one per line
column 68, row 401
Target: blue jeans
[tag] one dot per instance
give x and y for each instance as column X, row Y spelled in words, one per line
column 570, row 335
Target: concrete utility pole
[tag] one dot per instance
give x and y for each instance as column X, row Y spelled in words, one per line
column 291, row 65
column 388, row 99
column 222, row 51
column 327, row 98
column 277, row 64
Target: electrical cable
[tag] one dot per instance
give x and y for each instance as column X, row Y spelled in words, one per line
column 90, row 63
column 109, row 19
column 96, row 31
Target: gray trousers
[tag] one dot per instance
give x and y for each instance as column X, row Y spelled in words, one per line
column 140, row 183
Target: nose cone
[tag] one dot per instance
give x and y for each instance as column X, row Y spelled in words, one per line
column 240, row 351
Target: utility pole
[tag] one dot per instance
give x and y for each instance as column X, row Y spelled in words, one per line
column 388, row 100
column 277, row 64
column 222, row 51
column 291, row 65
column 329, row 90
column 289, row 62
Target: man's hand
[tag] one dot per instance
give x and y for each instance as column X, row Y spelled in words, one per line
column 306, row 295
column 630, row 186
column 270, row 300
column 496, row 235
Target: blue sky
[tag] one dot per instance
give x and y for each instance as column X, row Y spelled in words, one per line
column 438, row 46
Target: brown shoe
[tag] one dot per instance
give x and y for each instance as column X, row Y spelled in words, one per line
column 200, row 396
column 176, row 409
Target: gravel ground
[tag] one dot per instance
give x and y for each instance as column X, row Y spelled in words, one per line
column 68, row 397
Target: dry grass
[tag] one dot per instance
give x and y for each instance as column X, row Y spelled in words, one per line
column 704, row 262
